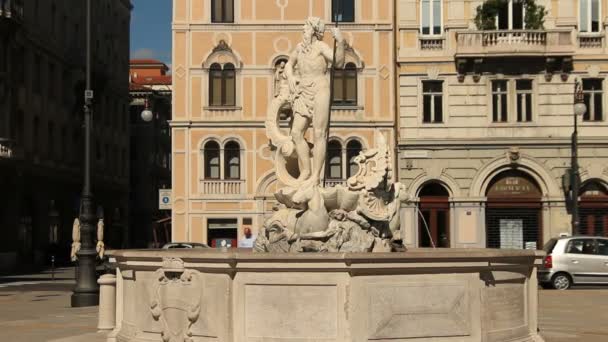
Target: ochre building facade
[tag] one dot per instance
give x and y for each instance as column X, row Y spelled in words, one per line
column 226, row 57
column 483, row 121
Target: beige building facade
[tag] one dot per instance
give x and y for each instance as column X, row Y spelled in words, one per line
column 486, row 118
column 227, row 57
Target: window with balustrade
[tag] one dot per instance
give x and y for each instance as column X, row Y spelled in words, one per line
column 432, row 101
column 222, row 11
column 500, row 105
column 590, row 16
column 211, row 155
column 232, row 160
column 431, row 23
column 592, row 88
column 222, row 85
column 345, row 86
column 511, row 15
column 340, row 160
column 222, row 163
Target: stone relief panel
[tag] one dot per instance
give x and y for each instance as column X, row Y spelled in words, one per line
column 174, row 304
column 315, row 307
column 415, row 310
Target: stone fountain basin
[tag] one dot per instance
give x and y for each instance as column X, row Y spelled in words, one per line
column 238, row 296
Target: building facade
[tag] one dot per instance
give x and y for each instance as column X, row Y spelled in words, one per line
column 150, row 151
column 486, row 118
column 42, row 63
column 227, row 56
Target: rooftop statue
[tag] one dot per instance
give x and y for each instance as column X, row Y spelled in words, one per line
column 360, row 217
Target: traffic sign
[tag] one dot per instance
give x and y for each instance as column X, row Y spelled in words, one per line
column 164, row 199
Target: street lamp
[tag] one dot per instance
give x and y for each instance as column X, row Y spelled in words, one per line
column 86, row 292
column 147, row 114
column 579, row 109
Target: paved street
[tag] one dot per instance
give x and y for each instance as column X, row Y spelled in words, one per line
column 35, row 308
column 579, row 314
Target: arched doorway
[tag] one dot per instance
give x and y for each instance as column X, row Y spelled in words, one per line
column 593, row 209
column 434, row 216
column 513, row 212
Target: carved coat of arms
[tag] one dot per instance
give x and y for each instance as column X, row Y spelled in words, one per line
column 176, row 300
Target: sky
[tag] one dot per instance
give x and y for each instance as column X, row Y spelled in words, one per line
column 151, row 29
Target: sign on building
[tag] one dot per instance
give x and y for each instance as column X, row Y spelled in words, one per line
column 164, row 199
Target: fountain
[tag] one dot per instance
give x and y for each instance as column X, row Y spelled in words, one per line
column 329, row 264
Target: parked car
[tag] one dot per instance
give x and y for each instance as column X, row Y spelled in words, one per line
column 574, row 260
column 172, row 245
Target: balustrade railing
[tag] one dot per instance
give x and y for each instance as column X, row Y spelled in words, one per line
column 222, row 187
column 591, row 41
column 431, row 44
column 514, row 42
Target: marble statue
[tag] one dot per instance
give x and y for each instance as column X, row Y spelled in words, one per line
column 362, row 216
column 75, row 240
column 100, row 248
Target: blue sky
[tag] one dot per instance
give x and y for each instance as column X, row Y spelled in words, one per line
column 151, row 29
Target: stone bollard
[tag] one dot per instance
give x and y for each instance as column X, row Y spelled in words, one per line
column 107, row 302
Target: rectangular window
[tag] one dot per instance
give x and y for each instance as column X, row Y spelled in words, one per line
column 431, row 17
column 343, row 11
column 510, row 16
column 524, row 100
column 432, row 101
column 222, row 11
column 592, row 88
column 499, row 101
column 589, row 16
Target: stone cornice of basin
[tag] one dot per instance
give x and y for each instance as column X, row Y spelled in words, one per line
column 415, row 260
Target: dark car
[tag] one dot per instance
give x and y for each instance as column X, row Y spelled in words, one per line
column 173, row 245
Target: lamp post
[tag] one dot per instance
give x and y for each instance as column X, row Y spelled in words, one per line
column 147, row 114
column 579, row 109
column 86, row 292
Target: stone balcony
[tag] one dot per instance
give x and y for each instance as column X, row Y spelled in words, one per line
column 222, row 187
column 514, row 43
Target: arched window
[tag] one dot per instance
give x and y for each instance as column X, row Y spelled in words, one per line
column 212, row 160
column 222, row 85
column 345, row 85
column 353, row 148
column 334, row 160
column 232, row 160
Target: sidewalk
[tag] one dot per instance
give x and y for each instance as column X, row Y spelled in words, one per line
column 35, row 308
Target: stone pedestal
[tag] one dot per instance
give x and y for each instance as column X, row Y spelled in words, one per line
column 234, row 296
column 107, row 302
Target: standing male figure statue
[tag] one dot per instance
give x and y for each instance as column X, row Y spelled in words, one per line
column 309, row 86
